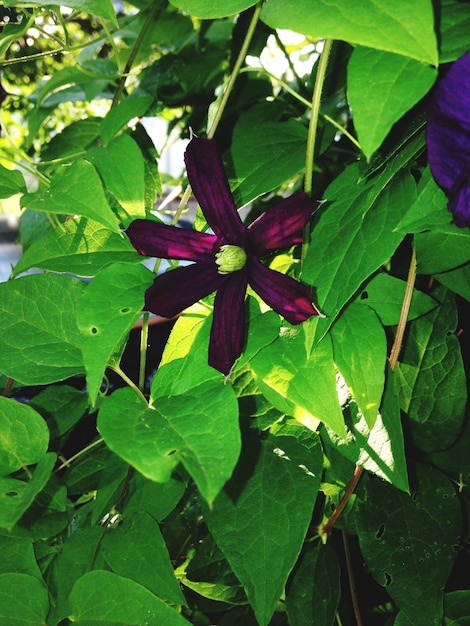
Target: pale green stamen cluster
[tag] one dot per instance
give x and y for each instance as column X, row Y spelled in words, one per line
column 230, row 259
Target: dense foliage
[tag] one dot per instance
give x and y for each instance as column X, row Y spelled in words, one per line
column 324, row 479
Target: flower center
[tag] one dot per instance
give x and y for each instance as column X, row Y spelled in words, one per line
column 230, row 259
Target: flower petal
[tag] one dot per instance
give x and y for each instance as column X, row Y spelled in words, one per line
column 286, row 296
column 448, row 132
column 282, row 226
column 210, row 186
column 178, row 289
column 459, row 202
column 169, row 242
column 228, row 326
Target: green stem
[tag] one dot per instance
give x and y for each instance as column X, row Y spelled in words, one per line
column 235, row 71
column 304, row 101
column 78, row 454
column 224, row 100
column 314, row 113
column 130, row 382
column 133, row 53
column 144, row 335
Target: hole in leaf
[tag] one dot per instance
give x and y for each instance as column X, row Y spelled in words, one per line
column 171, row 452
column 125, row 309
column 12, row 494
column 93, row 330
column 364, row 295
column 388, row 579
column 381, row 531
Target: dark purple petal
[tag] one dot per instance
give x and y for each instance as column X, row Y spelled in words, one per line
column 459, row 203
column 168, row 242
column 178, row 289
column 228, row 326
column 448, row 135
column 286, row 296
column 209, row 183
column 282, row 226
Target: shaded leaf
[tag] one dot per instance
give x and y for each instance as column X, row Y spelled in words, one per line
column 408, row 542
column 16, row 496
column 199, row 429
column 274, row 486
column 39, row 339
column 314, row 590
column 101, row 597
column 136, row 550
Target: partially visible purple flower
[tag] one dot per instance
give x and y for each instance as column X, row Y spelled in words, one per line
column 448, row 138
column 226, row 261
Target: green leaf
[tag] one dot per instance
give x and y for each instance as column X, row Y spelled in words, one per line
column 380, row 449
column 208, row 573
column 454, row 26
column 299, row 385
column 100, row 8
column 314, row 589
column 156, row 499
column 136, row 550
column 24, row 600
column 273, row 487
column 75, row 190
column 182, row 374
column 384, row 294
column 440, row 252
column 408, row 542
column 457, row 280
column 18, row 556
column 382, row 87
column 39, row 339
column 24, row 436
column 121, row 165
column 368, row 211
column 429, row 210
column 104, row 598
column 208, row 9
column 106, row 312
column 16, row 496
column 72, row 140
column 199, row 429
column 62, row 407
column 457, row 606
column 118, row 117
column 373, row 23
column 431, row 359
column 265, row 155
column 11, row 182
column 360, row 352
column 81, row 247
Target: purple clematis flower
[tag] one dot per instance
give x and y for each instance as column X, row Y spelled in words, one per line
column 226, row 261
column 448, row 138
